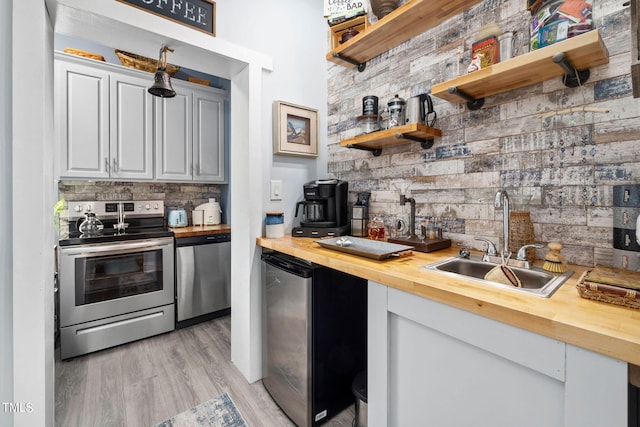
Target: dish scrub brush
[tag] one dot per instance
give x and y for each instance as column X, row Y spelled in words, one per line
column 554, row 261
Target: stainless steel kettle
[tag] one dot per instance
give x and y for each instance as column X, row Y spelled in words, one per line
column 420, row 109
column 90, row 225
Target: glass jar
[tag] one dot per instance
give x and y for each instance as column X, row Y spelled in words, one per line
column 382, row 8
column 367, row 123
column 376, row 229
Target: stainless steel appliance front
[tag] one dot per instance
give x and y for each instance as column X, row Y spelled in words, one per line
column 105, row 289
column 288, row 317
column 315, row 337
column 203, row 278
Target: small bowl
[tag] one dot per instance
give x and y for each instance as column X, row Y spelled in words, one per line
column 348, row 34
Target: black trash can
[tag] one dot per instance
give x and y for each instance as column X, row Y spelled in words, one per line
column 359, row 388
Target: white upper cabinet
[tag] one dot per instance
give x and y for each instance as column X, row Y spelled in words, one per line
column 110, row 127
column 82, row 96
column 131, row 128
column 174, row 137
column 190, row 135
column 208, row 137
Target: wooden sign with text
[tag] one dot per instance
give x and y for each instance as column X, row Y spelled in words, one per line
column 196, row 14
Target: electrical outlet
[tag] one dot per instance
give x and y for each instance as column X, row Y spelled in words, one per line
column 276, row 189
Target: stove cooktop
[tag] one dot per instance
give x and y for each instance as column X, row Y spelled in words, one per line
column 108, row 236
column 144, row 220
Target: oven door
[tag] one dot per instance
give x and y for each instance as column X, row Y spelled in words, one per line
column 109, row 279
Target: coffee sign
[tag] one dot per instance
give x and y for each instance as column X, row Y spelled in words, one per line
column 334, row 7
column 197, row 14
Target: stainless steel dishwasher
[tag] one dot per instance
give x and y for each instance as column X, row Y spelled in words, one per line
column 203, row 278
column 316, row 337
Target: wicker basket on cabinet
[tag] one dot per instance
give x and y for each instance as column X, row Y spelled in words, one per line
column 143, row 63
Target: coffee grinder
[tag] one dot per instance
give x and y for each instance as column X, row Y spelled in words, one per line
column 324, row 209
column 360, row 215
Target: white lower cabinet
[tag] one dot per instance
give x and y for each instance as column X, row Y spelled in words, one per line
column 434, row 365
column 110, row 127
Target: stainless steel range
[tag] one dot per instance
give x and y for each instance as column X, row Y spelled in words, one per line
column 117, row 279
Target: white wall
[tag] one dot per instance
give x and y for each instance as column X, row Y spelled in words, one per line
column 294, row 34
column 32, row 202
column 6, row 258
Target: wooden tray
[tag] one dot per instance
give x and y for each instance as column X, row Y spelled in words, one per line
column 423, row 245
column 374, row 249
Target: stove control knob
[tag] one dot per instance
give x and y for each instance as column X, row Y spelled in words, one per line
column 155, row 206
column 89, row 208
column 148, row 206
column 78, row 208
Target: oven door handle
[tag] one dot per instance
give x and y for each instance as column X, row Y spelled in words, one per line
column 118, row 249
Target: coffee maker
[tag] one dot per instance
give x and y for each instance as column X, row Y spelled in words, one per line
column 324, row 209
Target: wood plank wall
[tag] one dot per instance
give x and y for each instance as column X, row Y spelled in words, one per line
column 561, row 168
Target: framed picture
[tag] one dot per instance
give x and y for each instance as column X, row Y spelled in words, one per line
column 295, row 130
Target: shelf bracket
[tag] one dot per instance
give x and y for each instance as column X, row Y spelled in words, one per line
column 573, row 77
column 361, row 65
column 472, row 103
column 376, row 151
column 424, row 143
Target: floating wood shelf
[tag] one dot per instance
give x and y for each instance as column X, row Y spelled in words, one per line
column 407, row 21
column 376, row 141
column 581, row 52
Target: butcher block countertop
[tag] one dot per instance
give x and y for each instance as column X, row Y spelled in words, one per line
column 200, row 230
column 604, row 328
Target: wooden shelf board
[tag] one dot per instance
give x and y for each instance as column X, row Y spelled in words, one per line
column 387, row 137
column 407, row 21
column 584, row 51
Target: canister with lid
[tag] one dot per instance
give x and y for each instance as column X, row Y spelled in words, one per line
column 274, row 224
column 396, row 108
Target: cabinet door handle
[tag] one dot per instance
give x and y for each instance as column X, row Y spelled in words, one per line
column 107, row 165
column 115, row 165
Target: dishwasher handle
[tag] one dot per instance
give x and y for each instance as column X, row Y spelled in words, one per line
column 289, row 264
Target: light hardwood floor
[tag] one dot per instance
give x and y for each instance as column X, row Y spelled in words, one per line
column 146, row 382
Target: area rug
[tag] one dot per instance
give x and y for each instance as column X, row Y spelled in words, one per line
column 217, row 412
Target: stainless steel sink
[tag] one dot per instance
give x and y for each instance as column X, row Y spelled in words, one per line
column 535, row 281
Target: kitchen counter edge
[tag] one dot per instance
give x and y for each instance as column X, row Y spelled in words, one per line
column 601, row 327
column 200, row 230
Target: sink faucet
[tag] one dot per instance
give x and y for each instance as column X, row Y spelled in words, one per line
column 502, row 199
column 412, row 217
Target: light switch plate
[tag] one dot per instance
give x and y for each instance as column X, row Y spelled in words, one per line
column 276, row 189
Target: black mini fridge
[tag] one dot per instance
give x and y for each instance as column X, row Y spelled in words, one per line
column 315, row 337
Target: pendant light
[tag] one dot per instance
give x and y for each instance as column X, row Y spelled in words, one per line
column 161, row 80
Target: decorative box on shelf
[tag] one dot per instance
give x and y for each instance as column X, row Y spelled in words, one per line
column 487, row 50
column 359, row 23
